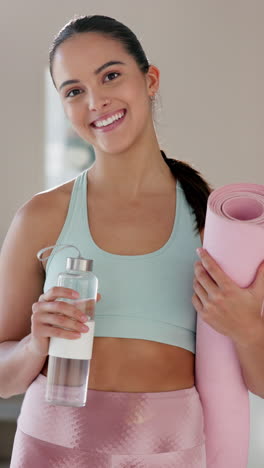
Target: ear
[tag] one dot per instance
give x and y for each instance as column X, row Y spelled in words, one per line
column 153, row 80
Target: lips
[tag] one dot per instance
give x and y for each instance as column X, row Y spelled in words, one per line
column 111, row 127
column 106, row 116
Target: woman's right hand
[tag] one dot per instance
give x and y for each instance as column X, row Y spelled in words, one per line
column 50, row 317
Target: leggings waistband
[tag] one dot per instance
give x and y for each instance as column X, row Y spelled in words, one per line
column 120, row 422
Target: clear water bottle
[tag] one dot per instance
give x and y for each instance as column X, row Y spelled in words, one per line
column 69, row 360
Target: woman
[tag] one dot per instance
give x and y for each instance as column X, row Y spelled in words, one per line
column 140, row 216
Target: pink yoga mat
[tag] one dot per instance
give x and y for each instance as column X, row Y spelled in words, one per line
column 234, row 237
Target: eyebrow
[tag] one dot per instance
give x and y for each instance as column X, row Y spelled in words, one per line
column 96, row 72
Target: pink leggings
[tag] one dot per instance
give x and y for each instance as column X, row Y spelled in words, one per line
column 113, row 430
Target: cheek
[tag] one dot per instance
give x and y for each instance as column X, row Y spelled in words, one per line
column 133, row 91
column 139, row 103
column 139, row 94
column 74, row 113
column 77, row 121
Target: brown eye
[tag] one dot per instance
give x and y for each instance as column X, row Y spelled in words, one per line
column 112, row 73
column 73, row 92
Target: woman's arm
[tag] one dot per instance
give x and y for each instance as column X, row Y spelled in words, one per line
column 28, row 318
column 21, row 283
column 19, row 366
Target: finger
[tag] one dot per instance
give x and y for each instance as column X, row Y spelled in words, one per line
column 62, row 321
column 47, row 331
column 214, row 270
column 98, row 298
column 58, row 307
column 58, row 292
column 197, row 303
column 200, row 292
column 204, row 279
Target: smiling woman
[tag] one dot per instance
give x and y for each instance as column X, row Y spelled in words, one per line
column 81, row 74
column 139, row 215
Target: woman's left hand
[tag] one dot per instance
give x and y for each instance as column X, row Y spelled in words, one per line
column 222, row 304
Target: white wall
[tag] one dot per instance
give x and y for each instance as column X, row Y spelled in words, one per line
column 210, row 54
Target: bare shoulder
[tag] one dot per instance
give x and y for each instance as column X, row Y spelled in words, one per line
column 45, row 212
column 48, row 202
column 37, row 224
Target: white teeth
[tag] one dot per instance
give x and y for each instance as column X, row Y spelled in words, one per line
column 104, row 123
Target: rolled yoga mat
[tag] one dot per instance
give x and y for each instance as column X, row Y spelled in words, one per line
column 234, row 237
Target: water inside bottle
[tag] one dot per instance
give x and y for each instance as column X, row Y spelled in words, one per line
column 67, row 381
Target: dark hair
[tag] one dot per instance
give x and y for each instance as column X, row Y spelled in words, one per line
column 196, row 189
column 106, row 26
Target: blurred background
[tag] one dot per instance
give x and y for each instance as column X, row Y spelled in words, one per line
column 210, row 109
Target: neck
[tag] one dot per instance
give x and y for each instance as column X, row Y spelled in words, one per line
column 132, row 173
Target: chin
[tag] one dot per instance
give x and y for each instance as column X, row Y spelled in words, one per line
column 114, row 149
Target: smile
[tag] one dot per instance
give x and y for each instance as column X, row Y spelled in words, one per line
column 104, row 127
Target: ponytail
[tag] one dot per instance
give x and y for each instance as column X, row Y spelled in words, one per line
column 195, row 187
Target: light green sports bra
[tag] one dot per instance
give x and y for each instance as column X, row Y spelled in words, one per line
column 143, row 296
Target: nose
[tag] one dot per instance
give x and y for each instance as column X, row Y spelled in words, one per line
column 97, row 101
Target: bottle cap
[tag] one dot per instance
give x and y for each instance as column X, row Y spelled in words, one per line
column 79, row 264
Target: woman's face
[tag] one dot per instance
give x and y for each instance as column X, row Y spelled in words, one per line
column 91, row 94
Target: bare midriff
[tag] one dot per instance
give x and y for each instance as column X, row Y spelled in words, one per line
column 133, row 365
